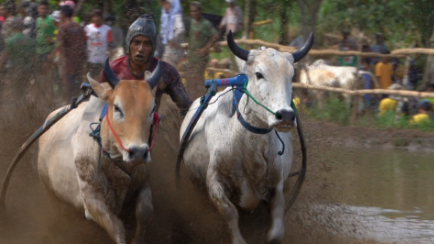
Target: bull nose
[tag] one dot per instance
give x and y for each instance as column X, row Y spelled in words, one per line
column 137, row 152
column 286, row 115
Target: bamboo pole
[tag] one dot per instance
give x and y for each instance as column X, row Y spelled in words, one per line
column 261, row 23
column 363, row 92
column 395, row 54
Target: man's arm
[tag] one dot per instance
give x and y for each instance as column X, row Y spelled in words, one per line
column 215, row 37
column 174, row 88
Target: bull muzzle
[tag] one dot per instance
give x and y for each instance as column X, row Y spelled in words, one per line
column 138, row 154
column 285, row 120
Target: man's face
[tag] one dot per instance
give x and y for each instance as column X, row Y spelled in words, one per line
column 166, row 5
column 140, row 50
column 42, row 10
column 97, row 20
column 194, row 12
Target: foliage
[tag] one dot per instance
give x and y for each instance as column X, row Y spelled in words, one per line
column 402, row 21
column 335, row 110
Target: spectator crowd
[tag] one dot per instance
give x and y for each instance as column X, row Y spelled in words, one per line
column 57, row 45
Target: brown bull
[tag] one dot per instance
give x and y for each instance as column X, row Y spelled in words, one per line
column 70, row 165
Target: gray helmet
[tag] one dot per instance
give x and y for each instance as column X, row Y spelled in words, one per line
column 144, row 25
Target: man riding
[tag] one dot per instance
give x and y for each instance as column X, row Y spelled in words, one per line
column 141, row 45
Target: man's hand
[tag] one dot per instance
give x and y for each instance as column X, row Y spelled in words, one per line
column 202, row 52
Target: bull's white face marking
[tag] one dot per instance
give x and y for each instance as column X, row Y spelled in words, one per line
column 270, row 81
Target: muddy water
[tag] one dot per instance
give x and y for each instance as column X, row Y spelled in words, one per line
column 390, row 193
column 349, row 196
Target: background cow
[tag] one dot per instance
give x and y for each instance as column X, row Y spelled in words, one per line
column 322, row 74
column 238, row 166
column 69, row 161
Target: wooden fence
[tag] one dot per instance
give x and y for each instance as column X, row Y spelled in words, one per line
column 394, row 54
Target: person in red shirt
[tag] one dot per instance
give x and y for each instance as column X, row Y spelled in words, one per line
column 72, row 46
column 141, row 45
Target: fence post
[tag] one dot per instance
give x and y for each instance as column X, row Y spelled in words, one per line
column 357, row 101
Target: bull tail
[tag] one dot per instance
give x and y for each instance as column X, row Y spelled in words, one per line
column 47, row 125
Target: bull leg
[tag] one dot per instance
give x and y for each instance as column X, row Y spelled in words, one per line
column 97, row 209
column 219, row 198
column 144, row 212
column 277, row 230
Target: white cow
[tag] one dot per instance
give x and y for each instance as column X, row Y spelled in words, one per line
column 320, row 73
column 68, row 158
column 240, row 167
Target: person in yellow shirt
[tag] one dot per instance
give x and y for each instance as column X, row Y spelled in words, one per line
column 390, row 103
column 384, row 71
column 424, row 108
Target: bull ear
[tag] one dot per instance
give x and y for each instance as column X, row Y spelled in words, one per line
column 103, row 90
column 299, row 54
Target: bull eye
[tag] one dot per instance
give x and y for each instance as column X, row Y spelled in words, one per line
column 117, row 110
column 259, row 76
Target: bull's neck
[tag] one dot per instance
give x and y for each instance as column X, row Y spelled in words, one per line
column 251, row 113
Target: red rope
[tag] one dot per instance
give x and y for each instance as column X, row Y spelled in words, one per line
column 115, row 135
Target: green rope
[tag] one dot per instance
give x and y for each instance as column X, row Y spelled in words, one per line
column 258, row 103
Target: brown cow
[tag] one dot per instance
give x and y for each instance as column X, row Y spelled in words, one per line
column 69, row 163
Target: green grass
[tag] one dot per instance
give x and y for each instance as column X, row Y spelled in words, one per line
column 336, row 111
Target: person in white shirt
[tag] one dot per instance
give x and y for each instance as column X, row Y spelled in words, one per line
column 172, row 31
column 233, row 19
column 98, row 42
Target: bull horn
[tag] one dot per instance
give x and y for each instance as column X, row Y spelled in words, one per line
column 238, row 51
column 110, row 75
column 299, row 54
column 155, row 76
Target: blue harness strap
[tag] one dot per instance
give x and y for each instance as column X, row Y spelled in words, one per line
column 103, row 112
column 238, row 81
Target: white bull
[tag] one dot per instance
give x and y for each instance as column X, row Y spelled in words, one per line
column 69, row 163
column 240, row 167
column 343, row 77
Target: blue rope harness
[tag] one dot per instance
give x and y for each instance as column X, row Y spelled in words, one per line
column 238, row 81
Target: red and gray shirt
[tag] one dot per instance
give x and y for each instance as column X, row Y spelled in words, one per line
column 170, row 83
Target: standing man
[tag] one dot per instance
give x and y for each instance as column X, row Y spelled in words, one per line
column 28, row 21
column 44, row 35
column 202, row 37
column 20, row 51
column 117, row 36
column 384, row 71
column 347, row 44
column 233, row 19
column 379, row 47
column 72, row 46
column 172, row 31
column 141, row 45
column 6, row 10
column 99, row 42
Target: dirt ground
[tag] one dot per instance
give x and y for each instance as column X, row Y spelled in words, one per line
column 182, row 211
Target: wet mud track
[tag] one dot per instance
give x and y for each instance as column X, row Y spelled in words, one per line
column 182, row 211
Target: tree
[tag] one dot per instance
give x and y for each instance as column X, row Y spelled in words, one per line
column 309, row 16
